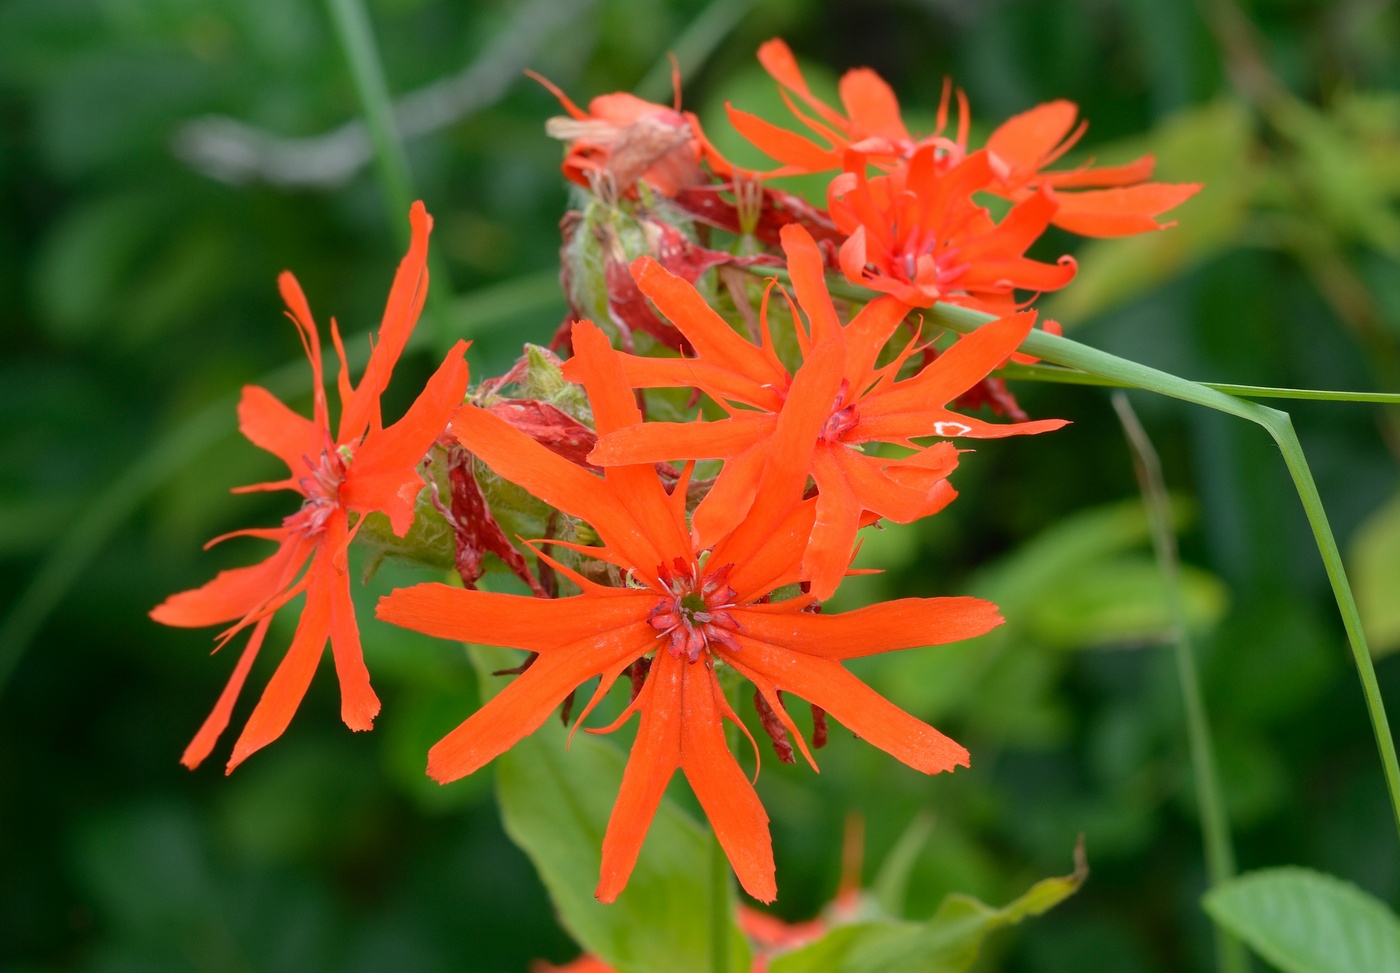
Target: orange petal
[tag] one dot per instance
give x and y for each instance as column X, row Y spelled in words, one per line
column 808, row 272
column 1124, row 175
column 655, row 442
column 555, row 480
column 383, row 473
column 615, row 407
column 528, row 700
column 803, row 155
column 900, row 426
column 270, row 425
column 872, row 105
column 902, row 624
column 655, row 755
column 289, row 683
column 731, row 496
column 711, row 336
column 834, row 530
column 970, row 359
column 406, row 297
column 217, row 720
column 1023, row 140
column 874, row 490
column 854, row 704
column 1120, row 212
column 777, row 59
column 512, row 621
column 237, row 592
column 358, row 703
column 728, row 799
column 866, row 336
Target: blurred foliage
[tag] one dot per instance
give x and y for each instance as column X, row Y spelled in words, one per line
column 141, row 289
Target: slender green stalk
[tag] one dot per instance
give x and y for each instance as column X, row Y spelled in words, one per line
column 1071, row 354
column 1230, row 956
column 693, row 47
column 1068, row 376
column 356, row 35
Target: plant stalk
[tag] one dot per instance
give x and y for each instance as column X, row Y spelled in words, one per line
column 1278, row 424
column 1230, row 956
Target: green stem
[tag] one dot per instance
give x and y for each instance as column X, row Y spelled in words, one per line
column 1068, row 376
column 1215, row 823
column 356, row 35
column 1071, row 354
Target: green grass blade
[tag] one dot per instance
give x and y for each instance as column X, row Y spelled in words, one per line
column 1215, row 823
column 1072, row 354
column 693, row 47
column 1068, row 376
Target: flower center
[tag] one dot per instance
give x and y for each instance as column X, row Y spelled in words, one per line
column 694, row 611
column 322, row 490
column 843, row 417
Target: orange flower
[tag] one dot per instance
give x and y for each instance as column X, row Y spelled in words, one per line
column 868, row 405
column 1118, row 202
column 687, row 610
column 362, row 468
column 628, row 139
column 916, row 234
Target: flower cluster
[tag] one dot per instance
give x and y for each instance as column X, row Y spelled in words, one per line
column 689, row 553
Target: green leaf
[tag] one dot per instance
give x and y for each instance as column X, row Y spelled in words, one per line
column 555, row 804
column 1308, row 922
column 1375, row 568
column 947, row 943
column 1122, row 601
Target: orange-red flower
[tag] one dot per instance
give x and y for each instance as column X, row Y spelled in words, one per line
column 917, row 234
column 687, row 609
column 627, row 139
column 1117, row 202
column 868, row 405
column 359, row 468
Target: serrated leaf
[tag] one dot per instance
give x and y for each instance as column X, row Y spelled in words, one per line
column 947, row 943
column 1304, row 921
column 555, row 804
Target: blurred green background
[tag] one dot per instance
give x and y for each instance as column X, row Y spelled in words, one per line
column 161, row 161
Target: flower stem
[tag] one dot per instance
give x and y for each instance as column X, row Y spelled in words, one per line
column 355, row 32
column 1278, row 424
column 1230, row 955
